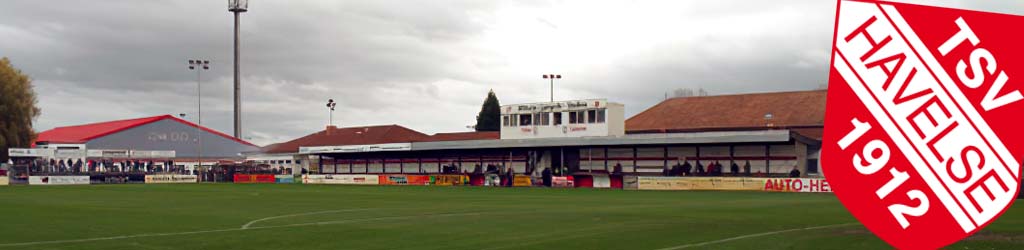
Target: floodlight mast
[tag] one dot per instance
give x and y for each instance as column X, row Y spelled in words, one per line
column 552, row 77
column 199, row 66
column 238, row 6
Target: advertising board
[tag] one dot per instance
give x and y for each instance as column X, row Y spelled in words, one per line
column 401, row 179
column 58, row 180
column 602, row 181
column 562, row 181
column 350, row 179
column 733, row 183
column 522, row 181
column 284, row 178
column 801, row 185
column 171, row 178
column 254, row 178
column 449, row 180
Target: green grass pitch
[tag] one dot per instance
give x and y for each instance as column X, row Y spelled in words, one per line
column 295, row 216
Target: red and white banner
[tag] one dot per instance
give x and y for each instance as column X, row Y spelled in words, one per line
column 922, row 119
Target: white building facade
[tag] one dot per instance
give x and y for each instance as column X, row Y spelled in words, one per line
column 576, row 118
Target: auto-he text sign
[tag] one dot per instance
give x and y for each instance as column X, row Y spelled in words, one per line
column 923, row 133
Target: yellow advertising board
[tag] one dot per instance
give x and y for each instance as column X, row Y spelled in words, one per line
column 522, row 181
column 699, row 183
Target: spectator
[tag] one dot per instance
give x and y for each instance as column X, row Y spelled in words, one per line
column 546, row 176
column 734, row 169
column 687, row 168
column 795, row 173
column 510, row 175
column 700, row 169
column 617, row 169
column 677, row 170
column 746, row 168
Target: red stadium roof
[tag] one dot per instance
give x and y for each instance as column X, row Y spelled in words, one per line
column 334, row 136
column 803, row 110
column 86, row 132
column 463, row 136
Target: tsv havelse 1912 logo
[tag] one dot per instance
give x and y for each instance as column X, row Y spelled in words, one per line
column 923, row 138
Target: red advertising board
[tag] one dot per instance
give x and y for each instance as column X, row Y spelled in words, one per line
column 401, row 179
column 801, row 185
column 921, row 119
column 254, row 178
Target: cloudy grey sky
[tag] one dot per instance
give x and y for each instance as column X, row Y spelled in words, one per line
column 423, row 64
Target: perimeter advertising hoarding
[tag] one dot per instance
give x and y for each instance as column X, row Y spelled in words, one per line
column 449, row 180
column 350, row 179
column 58, row 180
column 802, row 185
column 522, row 181
column 699, row 183
column 171, row 178
column 30, row 152
column 284, row 178
column 254, row 178
column 799, row 185
column 399, row 179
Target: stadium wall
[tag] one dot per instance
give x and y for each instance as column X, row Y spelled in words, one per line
column 169, row 134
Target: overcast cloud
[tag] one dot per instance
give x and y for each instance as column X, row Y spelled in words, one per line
column 424, row 64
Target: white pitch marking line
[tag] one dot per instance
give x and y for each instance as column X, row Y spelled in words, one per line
column 246, row 226
column 754, row 235
column 21, row 244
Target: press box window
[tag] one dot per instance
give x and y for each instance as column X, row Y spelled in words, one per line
column 558, row 118
column 600, row 115
column 504, row 120
column 591, row 116
column 572, row 117
column 524, row 120
column 582, row 117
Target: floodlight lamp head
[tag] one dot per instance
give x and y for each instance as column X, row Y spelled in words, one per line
column 238, row 5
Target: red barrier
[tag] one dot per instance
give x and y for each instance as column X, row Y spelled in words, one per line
column 254, row 178
column 586, row 181
column 616, row 181
column 477, row 179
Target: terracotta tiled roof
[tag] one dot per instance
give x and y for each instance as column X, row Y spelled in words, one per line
column 798, row 109
column 86, row 132
column 813, row 133
column 350, row 136
column 463, row 136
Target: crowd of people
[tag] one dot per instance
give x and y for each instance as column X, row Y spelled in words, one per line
column 76, row 166
column 684, row 168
